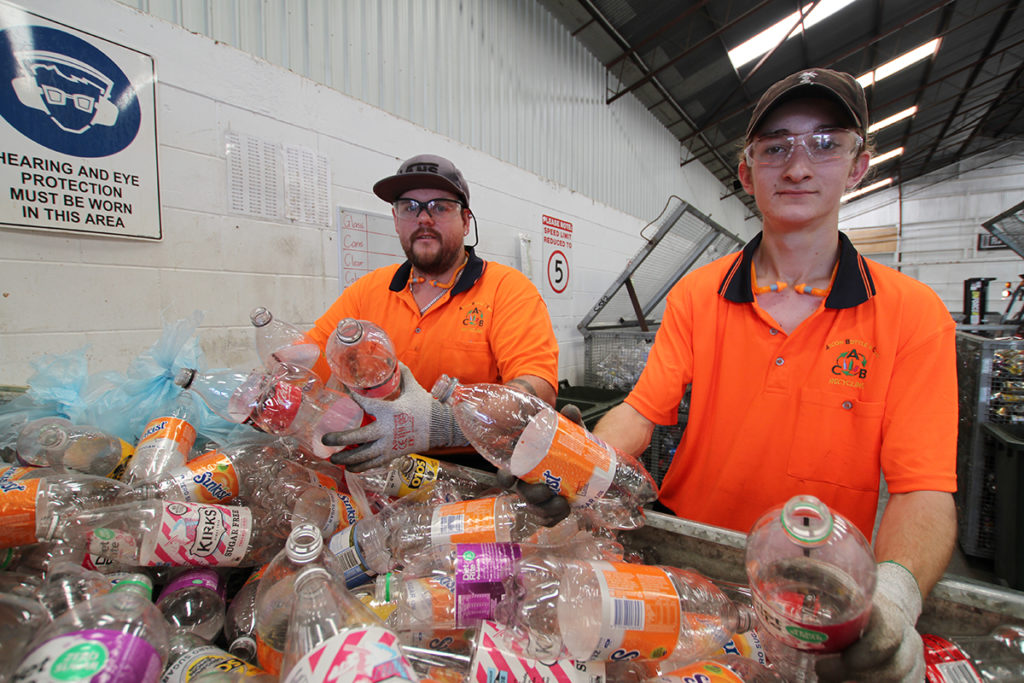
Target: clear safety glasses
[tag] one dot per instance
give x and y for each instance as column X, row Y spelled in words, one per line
column 409, row 209
column 821, row 147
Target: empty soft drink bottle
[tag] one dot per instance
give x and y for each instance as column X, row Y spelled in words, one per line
column 523, row 434
column 240, row 620
column 56, row 442
column 280, row 342
column 812, row 577
column 995, row 657
column 191, row 658
column 194, row 601
column 362, row 357
column 166, row 441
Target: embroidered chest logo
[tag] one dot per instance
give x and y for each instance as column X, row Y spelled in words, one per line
column 851, row 361
column 474, row 318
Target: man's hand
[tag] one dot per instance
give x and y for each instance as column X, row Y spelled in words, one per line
column 890, row 650
column 414, row 422
column 552, row 507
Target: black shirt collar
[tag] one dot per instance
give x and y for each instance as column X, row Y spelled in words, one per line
column 852, row 287
column 470, row 274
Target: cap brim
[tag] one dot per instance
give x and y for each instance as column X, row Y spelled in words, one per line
column 391, row 188
column 796, row 93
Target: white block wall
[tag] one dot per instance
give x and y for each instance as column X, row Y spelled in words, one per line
column 60, row 291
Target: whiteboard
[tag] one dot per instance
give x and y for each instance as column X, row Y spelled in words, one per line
column 366, row 241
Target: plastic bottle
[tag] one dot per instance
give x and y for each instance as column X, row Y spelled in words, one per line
column 303, row 551
column 194, row 601
column 362, row 358
column 30, row 508
column 997, row 656
column 660, row 612
column 721, row 669
column 69, row 584
column 165, row 443
column 812, row 577
column 240, row 620
column 189, row 657
column 333, row 636
column 118, row 637
column 292, row 401
column 57, row 443
column 281, row 342
column 171, row 533
column 523, row 434
column 21, row 618
column 408, row 473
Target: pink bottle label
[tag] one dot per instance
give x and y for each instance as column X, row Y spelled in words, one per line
column 95, row 655
column 368, row 655
column 196, row 534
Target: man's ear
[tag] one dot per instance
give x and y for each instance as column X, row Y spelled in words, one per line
column 746, row 177
column 858, row 170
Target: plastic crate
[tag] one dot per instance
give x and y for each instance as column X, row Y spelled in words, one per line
column 1006, row 444
column 990, row 375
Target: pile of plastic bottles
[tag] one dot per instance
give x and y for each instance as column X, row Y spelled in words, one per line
column 179, row 559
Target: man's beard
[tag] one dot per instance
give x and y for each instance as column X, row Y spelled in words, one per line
column 436, row 263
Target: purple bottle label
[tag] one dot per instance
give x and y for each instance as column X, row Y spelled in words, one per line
column 194, row 578
column 95, row 655
column 480, row 569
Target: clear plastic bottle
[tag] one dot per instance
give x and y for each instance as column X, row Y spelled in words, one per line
column 240, row 620
column 523, row 434
column 69, row 584
column 194, row 601
column 995, row 657
column 30, row 508
column 56, row 442
column 190, row 657
column 304, row 551
column 280, row 342
column 292, row 401
column 812, row 577
column 329, row 631
column 21, row 618
column 119, row 637
column 660, row 612
column 166, row 441
column 156, row 533
column 407, row 474
column 362, row 358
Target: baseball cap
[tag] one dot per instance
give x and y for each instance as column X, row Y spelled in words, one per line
column 423, row 171
column 841, row 87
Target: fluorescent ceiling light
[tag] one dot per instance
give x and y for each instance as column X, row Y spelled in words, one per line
column 864, row 190
column 767, row 39
column 904, row 61
column 895, row 118
column 891, row 154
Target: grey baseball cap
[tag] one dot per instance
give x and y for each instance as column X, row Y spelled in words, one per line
column 423, row 171
column 837, row 85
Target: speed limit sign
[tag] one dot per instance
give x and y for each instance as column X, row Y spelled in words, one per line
column 558, row 272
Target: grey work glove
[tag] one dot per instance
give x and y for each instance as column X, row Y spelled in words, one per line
column 412, row 423
column 551, row 507
column 890, row 650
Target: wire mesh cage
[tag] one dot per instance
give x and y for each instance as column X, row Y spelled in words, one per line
column 619, row 330
column 1009, row 227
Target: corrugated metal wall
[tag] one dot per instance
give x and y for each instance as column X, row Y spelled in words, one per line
column 502, row 76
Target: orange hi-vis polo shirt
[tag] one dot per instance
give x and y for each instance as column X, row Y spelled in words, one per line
column 866, row 384
column 492, row 326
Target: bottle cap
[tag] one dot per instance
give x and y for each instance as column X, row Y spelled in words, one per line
column 184, row 377
column 304, row 543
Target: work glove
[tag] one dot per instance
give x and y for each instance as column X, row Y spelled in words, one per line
column 890, row 650
column 413, row 422
column 549, row 506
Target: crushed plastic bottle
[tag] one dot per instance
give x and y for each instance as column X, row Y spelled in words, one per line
column 240, row 620
column 408, row 473
column 523, row 434
column 362, row 357
column 721, row 669
column 68, row 584
column 190, row 657
column 995, row 657
column 194, row 601
column 166, row 441
column 280, row 342
column 56, row 442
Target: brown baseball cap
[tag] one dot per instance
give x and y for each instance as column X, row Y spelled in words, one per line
column 423, row 171
column 839, row 86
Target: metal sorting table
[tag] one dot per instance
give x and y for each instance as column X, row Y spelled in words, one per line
column 956, row 606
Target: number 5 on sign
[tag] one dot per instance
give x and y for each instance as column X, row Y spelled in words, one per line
column 558, row 272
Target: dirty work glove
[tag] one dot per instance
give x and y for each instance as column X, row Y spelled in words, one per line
column 550, row 507
column 890, row 650
column 412, row 423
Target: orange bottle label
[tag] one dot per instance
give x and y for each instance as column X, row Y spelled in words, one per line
column 267, row 657
column 17, row 508
column 576, row 464
column 209, row 478
column 641, row 617
column 467, row 521
column 704, row 671
column 167, row 429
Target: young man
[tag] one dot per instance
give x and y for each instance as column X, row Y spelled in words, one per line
column 811, row 370
column 446, row 310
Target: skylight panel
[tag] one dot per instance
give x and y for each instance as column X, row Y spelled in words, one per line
column 767, row 39
column 895, row 118
column 881, row 158
column 905, row 60
column 868, row 188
